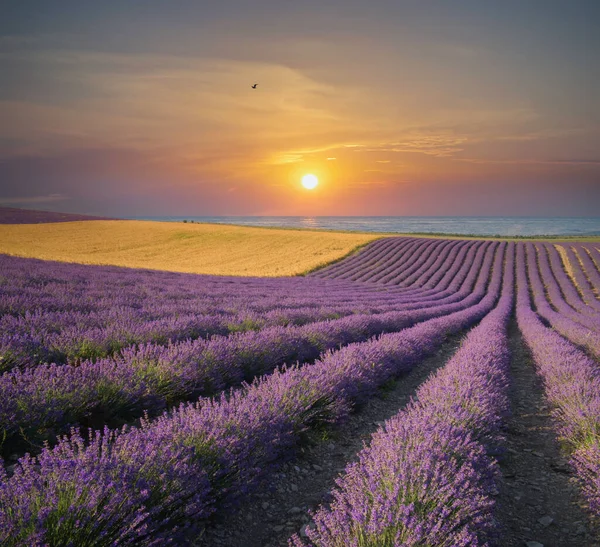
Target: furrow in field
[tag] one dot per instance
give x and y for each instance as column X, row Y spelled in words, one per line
column 594, row 254
column 40, row 286
column 26, row 343
column 427, row 270
column 436, row 287
column 389, row 254
column 586, row 274
column 430, row 281
column 572, row 385
column 536, row 478
column 419, row 259
column 284, row 499
column 388, row 248
column 71, row 286
column 431, row 278
column 31, row 340
column 390, row 257
column 441, row 275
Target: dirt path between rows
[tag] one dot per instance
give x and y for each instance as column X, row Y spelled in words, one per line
column 281, row 506
column 538, row 502
column 538, row 499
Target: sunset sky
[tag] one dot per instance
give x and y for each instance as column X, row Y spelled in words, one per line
column 417, row 107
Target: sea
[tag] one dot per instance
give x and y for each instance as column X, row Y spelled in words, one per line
column 480, row 226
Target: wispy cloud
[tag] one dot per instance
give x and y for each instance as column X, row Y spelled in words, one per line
column 531, row 161
column 282, row 159
column 364, row 184
column 542, row 134
column 434, row 145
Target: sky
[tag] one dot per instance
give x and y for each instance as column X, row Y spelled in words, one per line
column 399, row 107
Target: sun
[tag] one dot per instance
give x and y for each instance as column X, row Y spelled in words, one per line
column 310, row 182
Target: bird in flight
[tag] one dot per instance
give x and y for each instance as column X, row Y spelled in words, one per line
column 254, row 86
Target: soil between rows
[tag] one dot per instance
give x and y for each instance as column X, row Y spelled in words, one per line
column 538, row 499
column 281, row 505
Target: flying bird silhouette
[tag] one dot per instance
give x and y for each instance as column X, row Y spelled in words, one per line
column 254, row 86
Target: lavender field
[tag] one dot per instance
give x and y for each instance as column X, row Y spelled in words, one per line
column 142, row 407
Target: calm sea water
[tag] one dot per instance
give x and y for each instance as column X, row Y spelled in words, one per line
column 484, row 226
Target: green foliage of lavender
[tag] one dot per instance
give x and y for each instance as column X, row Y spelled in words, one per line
column 428, row 476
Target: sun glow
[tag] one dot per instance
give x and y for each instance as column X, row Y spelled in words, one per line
column 310, row 182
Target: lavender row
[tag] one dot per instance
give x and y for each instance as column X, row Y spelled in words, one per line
column 575, row 332
column 555, row 295
column 370, row 257
column 450, row 293
column 422, row 276
column 66, row 338
column 92, row 288
column 576, row 290
column 438, row 274
column 450, row 283
column 381, row 265
column 427, row 477
column 73, row 336
column 27, row 285
column 586, row 274
column 40, row 401
column 70, row 286
column 436, row 252
column 146, row 485
column 572, row 385
column 410, row 264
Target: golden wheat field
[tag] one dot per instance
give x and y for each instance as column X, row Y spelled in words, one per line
column 193, row 248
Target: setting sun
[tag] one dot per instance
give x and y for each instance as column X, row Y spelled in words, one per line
column 310, row 182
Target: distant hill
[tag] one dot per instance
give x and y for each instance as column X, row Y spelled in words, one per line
column 11, row 215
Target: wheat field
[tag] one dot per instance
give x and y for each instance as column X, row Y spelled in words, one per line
column 192, row 248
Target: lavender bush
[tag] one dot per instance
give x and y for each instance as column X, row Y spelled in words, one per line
column 427, row 477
